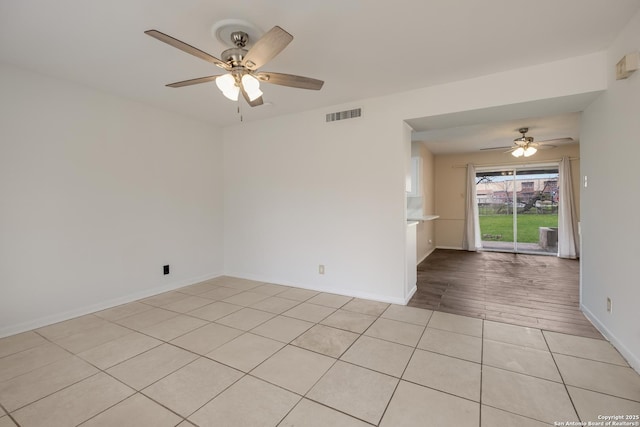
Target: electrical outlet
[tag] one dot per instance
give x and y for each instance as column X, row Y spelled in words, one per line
column 321, row 269
column 165, row 269
column 609, row 305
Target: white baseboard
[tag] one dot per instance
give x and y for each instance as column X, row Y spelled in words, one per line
column 6, row 331
column 411, row 292
column 426, row 256
column 455, row 248
column 632, row 359
column 330, row 289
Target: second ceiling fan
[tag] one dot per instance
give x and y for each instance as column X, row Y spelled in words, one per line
column 525, row 146
column 242, row 65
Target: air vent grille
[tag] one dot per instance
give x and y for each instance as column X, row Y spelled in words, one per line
column 344, row 115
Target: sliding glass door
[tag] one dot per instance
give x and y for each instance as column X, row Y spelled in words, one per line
column 518, row 209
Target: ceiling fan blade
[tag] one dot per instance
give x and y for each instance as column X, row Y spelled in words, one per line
column 266, row 48
column 497, row 148
column 187, row 48
column 537, row 144
column 256, row 102
column 559, row 140
column 193, row 81
column 290, row 80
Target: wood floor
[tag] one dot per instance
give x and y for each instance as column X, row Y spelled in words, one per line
column 527, row 290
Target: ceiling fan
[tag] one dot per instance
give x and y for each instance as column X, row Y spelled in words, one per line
column 524, row 145
column 242, row 65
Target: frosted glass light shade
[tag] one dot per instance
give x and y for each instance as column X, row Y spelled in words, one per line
column 251, row 86
column 530, row 151
column 227, row 84
column 518, row 152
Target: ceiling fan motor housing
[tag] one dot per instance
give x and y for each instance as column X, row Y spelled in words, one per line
column 523, row 140
column 234, row 56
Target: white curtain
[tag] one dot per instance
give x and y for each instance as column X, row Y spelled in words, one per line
column 471, row 240
column 567, row 222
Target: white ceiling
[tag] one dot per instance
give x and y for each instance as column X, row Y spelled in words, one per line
column 461, row 139
column 361, row 48
column 498, row 126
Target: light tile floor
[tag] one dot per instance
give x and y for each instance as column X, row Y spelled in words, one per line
column 234, row 352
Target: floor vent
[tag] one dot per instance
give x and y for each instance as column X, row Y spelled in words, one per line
column 344, row 115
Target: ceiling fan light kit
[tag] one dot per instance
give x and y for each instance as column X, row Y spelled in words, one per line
column 227, row 85
column 525, row 145
column 518, row 152
column 251, row 86
column 526, row 152
column 241, row 64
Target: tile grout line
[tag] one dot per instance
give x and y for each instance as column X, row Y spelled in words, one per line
column 522, row 373
column 198, row 356
column 343, row 361
column 564, row 384
column 590, row 360
column 405, row 368
column 304, row 396
column 126, row 398
column 453, row 357
column 71, row 355
column 185, row 418
column 13, row 419
column 135, row 390
column 245, row 374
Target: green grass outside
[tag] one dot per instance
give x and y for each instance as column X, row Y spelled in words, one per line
column 502, row 225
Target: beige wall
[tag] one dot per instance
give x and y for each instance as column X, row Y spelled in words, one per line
column 450, row 185
column 426, row 229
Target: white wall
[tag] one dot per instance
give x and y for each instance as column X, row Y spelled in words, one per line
column 610, row 150
column 97, row 194
column 301, row 192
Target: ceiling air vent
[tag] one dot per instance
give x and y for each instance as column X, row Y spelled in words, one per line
column 344, row 115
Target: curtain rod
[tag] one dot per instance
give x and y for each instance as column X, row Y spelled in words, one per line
column 484, row 165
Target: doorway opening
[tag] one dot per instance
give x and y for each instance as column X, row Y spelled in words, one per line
column 518, row 209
